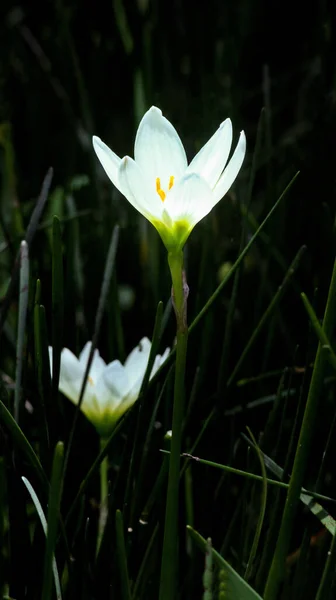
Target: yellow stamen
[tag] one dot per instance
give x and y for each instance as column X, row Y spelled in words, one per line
column 159, row 190
column 90, row 380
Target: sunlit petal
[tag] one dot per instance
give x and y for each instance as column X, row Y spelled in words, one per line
column 116, row 380
column 137, row 192
column 71, row 375
column 232, row 169
column 211, row 159
column 158, row 149
column 109, row 160
column 97, row 365
column 137, row 361
column 189, row 200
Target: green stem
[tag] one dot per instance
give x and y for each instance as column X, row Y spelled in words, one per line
column 103, row 505
column 170, row 539
column 276, row 572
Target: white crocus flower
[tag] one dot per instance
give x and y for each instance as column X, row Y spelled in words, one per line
column 159, row 183
column 111, row 388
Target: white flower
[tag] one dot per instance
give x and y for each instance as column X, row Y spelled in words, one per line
column 111, row 389
column 159, row 183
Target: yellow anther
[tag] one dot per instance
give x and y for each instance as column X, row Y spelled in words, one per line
column 171, row 182
column 159, row 190
column 90, row 380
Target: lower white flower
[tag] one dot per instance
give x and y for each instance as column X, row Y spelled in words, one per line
column 111, row 388
column 160, row 184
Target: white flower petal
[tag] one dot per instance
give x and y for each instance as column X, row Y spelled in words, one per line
column 232, row 169
column 189, row 200
column 71, row 375
column 137, row 192
column 50, row 350
column 158, row 149
column 97, row 365
column 164, row 356
column 211, row 159
column 137, row 361
column 109, row 160
column 159, row 360
column 116, row 381
column 110, row 388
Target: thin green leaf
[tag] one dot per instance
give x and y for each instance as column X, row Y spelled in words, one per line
column 21, row 441
column 276, row 572
column 323, row 338
column 122, row 558
column 236, row 587
column 208, row 574
column 57, row 305
column 268, row 312
column 23, row 304
column 55, row 495
column 262, row 511
column 43, row 521
column 248, row 475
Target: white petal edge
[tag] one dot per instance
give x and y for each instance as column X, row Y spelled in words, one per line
column 232, row 169
column 116, row 381
column 158, row 149
column 97, row 365
column 71, row 375
column 189, row 200
column 212, row 158
column 108, row 159
column 137, row 360
column 138, row 193
column 159, row 360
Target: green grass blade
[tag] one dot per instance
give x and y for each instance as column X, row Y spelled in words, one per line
column 328, row 574
column 122, row 558
column 31, row 230
column 208, row 575
column 268, row 312
column 262, row 511
column 3, row 518
column 326, row 519
column 302, row 452
column 55, row 495
column 57, row 306
column 123, row 26
column 249, row 475
column 43, row 521
column 21, row 441
column 321, row 334
column 223, row 283
column 23, row 305
column 236, row 587
column 42, row 361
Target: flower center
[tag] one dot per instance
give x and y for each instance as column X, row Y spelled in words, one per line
column 160, row 191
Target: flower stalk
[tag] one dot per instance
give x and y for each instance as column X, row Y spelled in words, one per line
column 103, row 503
column 170, row 540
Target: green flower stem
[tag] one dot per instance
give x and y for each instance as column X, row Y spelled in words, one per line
column 276, row 572
column 103, row 496
column 170, row 539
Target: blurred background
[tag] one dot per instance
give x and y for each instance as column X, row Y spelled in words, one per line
column 72, row 69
